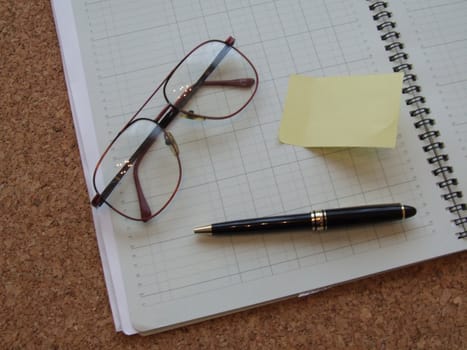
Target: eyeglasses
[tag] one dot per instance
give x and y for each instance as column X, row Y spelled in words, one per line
column 140, row 171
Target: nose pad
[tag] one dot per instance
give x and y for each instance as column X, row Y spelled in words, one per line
column 170, row 141
column 191, row 115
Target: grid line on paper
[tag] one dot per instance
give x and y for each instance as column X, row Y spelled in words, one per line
column 434, row 6
column 339, row 45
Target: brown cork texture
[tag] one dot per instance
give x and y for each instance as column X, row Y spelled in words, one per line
column 52, row 291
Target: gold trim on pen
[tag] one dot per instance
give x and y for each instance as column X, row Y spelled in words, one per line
column 318, row 220
column 403, row 211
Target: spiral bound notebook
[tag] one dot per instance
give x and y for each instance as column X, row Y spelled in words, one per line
column 159, row 274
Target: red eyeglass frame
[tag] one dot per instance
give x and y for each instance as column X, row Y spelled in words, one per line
column 162, row 121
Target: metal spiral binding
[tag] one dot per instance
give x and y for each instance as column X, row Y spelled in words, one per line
column 421, row 114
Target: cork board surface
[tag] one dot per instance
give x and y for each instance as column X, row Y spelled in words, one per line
column 52, row 291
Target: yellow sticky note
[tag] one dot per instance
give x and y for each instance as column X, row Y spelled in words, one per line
column 348, row 111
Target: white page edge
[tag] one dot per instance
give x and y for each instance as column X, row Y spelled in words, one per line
column 80, row 106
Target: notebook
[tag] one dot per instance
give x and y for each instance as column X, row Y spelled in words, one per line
column 159, row 274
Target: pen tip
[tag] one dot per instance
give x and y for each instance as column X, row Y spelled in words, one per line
column 203, row 229
column 409, row 211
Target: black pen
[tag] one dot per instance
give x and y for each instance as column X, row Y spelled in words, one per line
column 316, row 220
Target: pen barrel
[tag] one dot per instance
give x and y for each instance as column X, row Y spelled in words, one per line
column 363, row 215
column 265, row 223
column 317, row 220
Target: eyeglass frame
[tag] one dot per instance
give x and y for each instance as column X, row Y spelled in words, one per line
column 162, row 121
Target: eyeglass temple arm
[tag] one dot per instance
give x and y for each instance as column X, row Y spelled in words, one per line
column 143, row 203
column 182, row 101
column 144, row 207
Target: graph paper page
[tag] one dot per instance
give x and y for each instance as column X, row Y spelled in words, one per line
column 162, row 274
